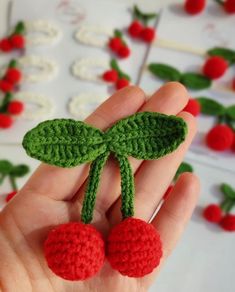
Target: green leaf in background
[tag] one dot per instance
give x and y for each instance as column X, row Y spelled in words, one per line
column 146, row 135
column 5, row 167
column 184, row 167
column 195, row 81
column 225, row 53
column 143, row 17
column 228, row 191
column 164, row 72
column 64, row 142
column 230, row 112
column 210, row 107
column 117, row 33
column 19, row 170
column 20, row 28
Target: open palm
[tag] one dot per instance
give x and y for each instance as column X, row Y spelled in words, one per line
column 54, row 195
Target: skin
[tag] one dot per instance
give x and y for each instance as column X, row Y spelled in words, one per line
column 54, row 195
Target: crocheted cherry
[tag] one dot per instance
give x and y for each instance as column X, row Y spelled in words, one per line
column 194, row 6
column 110, row 76
column 6, row 86
column 193, row 107
column 5, row 45
column 215, row 67
column 135, row 29
column 15, row 107
column 5, row 121
column 228, row 222
column 148, row 34
column 13, row 75
column 17, row 41
column 229, row 6
column 212, row 213
column 220, row 138
column 121, row 83
column 115, row 44
column 124, row 52
column 74, row 251
column 10, row 196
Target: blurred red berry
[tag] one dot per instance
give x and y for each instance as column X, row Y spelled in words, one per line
column 115, row 44
column 5, row 121
column 228, row 222
column 215, row 67
column 15, row 107
column 6, row 86
column 194, row 6
column 10, row 196
column 135, row 29
column 17, row 41
column 193, row 107
column 220, row 138
column 229, row 6
column 148, row 34
column 110, row 76
column 5, row 45
column 121, row 83
column 124, row 52
column 213, row 213
column 13, row 75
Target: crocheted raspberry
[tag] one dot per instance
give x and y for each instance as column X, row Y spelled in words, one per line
column 6, row 86
column 167, row 193
column 228, row 222
column 194, row 6
column 5, row 45
column 134, row 248
column 212, row 213
column 229, row 6
column 5, row 121
column 13, row 75
column 10, row 196
column 110, row 76
column 15, row 107
column 121, row 83
column 135, row 29
column 215, row 67
column 124, row 52
column 74, row 251
column 193, row 107
column 220, row 138
column 17, row 41
column 148, row 34
column 115, row 44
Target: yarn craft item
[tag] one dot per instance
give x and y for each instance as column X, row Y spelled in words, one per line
column 118, row 45
column 194, row 7
column 227, row 5
column 76, row 251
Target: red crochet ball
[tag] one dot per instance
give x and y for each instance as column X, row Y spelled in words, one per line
column 194, row 6
column 10, row 196
column 135, row 29
column 115, row 44
column 5, row 121
column 168, row 191
column 13, row 75
column 5, row 45
column 17, row 41
column 213, row 213
column 121, row 83
column 6, row 86
column 148, row 34
column 193, row 107
column 74, row 251
column 220, row 138
column 110, row 76
column 229, row 6
column 215, row 67
column 228, row 222
column 15, row 107
column 124, row 52
column 134, row 248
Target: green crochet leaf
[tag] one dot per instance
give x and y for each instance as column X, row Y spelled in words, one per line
column 210, row 107
column 146, row 135
column 20, row 28
column 121, row 74
column 184, row 167
column 19, row 170
column 144, row 17
column 195, row 81
column 5, row 167
column 228, row 191
column 64, row 142
column 164, row 72
column 225, row 53
column 230, row 112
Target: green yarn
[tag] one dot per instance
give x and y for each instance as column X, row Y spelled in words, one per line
column 165, row 72
column 229, row 197
column 68, row 143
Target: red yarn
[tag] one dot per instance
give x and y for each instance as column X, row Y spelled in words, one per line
column 168, row 191
column 148, row 34
column 17, row 41
column 10, row 196
column 212, row 213
column 215, row 67
column 134, row 248
column 5, row 121
column 193, row 107
column 6, row 86
column 110, row 76
column 220, row 138
column 124, row 52
column 115, row 44
column 121, row 83
column 15, row 107
column 228, row 222
column 194, row 6
column 74, row 251
column 13, row 75
column 229, row 6
column 135, row 29
column 5, row 45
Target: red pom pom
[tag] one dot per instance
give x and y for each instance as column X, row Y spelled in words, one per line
column 115, row 44
column 134, row 248
column 6, row 86
column 17, row 41
column 110, row 76
column 215, row 67
column 5, row 121
column 213, row 213
column 5, row 45
column 220, row 138
column 228, row 222
column 13, row 75
column 74, row 251
column 135, row 29
column 124, row 52
column 15, row 107
column 168, row 191
column 148, row 34
column 194, row 6
column 229, row 6
column 10, row 196
column 121, row 83
column 193, row 107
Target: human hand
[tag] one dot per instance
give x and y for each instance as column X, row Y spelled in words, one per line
column 54, row 195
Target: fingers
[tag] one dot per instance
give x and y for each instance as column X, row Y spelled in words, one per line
column 61, row 183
